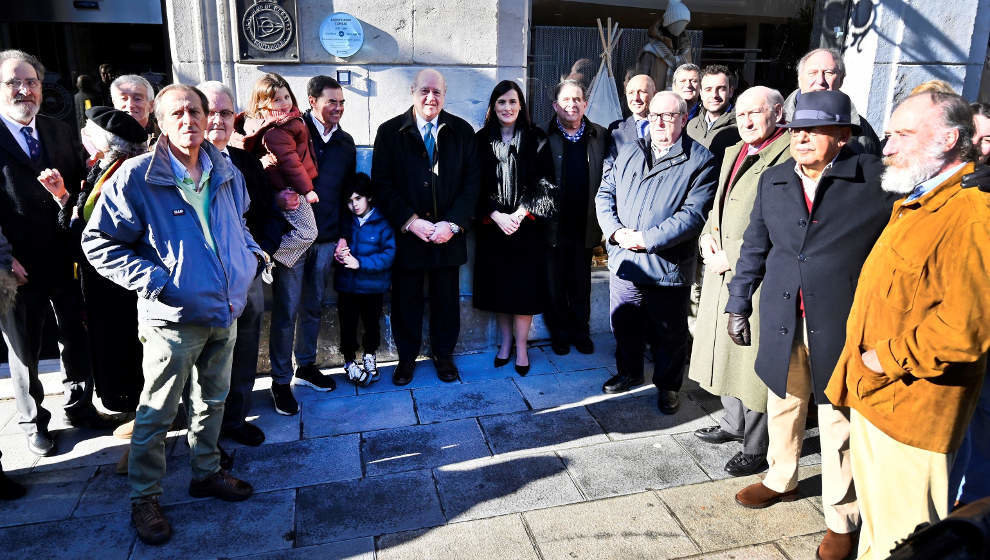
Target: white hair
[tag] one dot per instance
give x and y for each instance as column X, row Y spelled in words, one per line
column 133, row 79
column 213, row 86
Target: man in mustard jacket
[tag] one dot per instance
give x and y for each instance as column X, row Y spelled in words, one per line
column 914, row 357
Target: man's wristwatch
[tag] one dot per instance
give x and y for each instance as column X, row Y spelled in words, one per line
column 454, row 228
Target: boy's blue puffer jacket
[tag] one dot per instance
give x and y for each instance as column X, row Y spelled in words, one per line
column 373, row 244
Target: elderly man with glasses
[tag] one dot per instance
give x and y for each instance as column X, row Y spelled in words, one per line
column 651, row 206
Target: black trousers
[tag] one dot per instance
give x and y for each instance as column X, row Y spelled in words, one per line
column 22, row 329
column 642, row 314
column 364, row 307
column 569, row 309
column 244, row 367
column 408, row 302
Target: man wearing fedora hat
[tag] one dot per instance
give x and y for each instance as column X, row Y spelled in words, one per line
column 814, row 222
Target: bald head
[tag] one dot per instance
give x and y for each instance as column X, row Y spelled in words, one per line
column 758, row 110
column 639, row 91
column 429, row 89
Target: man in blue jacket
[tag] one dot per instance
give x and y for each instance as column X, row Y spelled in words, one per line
column 170, row 226
column 651, row 207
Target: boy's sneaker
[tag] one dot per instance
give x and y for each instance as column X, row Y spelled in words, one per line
column 285, row 401
column 371, row 367
column 311, row 376
column 355, row 374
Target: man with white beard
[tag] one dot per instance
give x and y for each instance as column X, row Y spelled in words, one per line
column 916, row 341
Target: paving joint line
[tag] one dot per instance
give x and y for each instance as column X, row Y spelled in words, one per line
column 532, row 537
column 677, row 520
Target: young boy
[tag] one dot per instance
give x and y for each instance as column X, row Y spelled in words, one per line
column 365, row 253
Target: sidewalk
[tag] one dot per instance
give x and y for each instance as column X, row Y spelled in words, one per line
column 496, row 466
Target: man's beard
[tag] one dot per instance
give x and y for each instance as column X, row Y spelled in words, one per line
column 903, row 180
column 23, row 111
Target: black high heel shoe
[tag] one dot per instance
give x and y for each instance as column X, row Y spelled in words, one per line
column 522, row 370
column 499, row 362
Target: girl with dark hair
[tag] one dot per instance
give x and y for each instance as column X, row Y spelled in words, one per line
column 516, row 201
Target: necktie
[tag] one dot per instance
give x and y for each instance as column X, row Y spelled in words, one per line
column 643, row 126
column 34, row 147
column 429, row 140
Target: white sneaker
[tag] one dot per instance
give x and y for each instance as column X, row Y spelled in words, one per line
column 355, row 374
column 371, row 367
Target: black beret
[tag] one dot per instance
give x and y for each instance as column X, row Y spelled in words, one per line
column 117, row 123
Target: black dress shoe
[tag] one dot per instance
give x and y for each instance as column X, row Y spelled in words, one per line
column 92, row 419
column 584, row 345
column 403, row 373
column 560, row 347
column 446, row 370
column 744, row 464
column 41, row 444
column 715, row 434
column 245, row 434
column 668, row 401
column 223, row 485
column 620, row 384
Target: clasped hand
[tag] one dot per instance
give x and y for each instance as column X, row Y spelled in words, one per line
column 630, row 239
column 508, row 223
column 429, row 232
column 715, row 258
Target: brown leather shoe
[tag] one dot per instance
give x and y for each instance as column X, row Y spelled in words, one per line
column 837, row 546
column 150, row 522
column 223, row 485
column 758, row 496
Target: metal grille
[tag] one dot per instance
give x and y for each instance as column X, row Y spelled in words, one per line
column 555, row 50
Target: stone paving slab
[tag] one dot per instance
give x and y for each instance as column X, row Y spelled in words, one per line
column 639, row 417
column 422, row 447
column 107, row 537
column 550, row 391
column 358, row 414
column 497, row 396
column 480, row 366
column 498, row 486
column 213, row 528
column 802, row 547
column 50, row 496
column 498, row 538
column 631, row 466
column 81, row 447
column 425, row 375
column 17, row 458
column 546, row 430
column 716, row 522
column 109, row 492
column 366, row 507
column 756, row 552
column 300, row 463
column 355, row 549
column 637, row 526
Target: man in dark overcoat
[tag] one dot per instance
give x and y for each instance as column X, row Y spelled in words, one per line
column 813, row 223
column 43, row 255
column 425, row 167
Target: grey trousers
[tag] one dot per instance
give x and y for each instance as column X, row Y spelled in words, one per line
column 751, row 425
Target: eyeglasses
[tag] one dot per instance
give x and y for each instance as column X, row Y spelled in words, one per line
column 15, row 84
column 225, row 114
column 667, row 117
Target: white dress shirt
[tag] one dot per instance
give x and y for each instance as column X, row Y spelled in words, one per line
column 15, row 129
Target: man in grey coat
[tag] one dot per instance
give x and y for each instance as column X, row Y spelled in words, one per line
column 170, row 226
column 651, row 207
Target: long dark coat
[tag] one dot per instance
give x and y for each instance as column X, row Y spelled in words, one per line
column 408, row 183
column 788, row 250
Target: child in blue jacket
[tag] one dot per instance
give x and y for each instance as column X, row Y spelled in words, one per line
column 364, row 255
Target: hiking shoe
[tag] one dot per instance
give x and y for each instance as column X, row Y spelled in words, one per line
column 355, row 374
column 371, row 367
column 312, row 377
column 285, row 401
column 149, row 520
column 223, row 485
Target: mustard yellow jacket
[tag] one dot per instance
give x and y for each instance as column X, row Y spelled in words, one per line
column 923, row 303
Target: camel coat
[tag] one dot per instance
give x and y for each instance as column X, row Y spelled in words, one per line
column 717, row 364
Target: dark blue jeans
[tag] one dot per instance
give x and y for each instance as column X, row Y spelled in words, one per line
column 296, row 307
column 968, row 480
column 244, row 367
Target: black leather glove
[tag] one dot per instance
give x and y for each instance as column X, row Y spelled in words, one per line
column 980, row 177
column 739, row 329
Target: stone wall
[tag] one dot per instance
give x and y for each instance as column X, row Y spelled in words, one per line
column 893, row 45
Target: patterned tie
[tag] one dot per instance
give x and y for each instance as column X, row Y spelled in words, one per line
column 34, row 147
column 429, row 140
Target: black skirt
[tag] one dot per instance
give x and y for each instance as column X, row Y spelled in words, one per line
column 510, row 271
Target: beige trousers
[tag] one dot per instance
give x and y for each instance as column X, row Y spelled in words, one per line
column 785, row 422
column 899, row 486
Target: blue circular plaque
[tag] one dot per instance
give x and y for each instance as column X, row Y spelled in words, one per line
column 341, row 34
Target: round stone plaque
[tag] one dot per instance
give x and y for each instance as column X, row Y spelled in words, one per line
column 341, row 34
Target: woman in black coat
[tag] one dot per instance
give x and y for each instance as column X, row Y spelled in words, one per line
column 516, row 201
